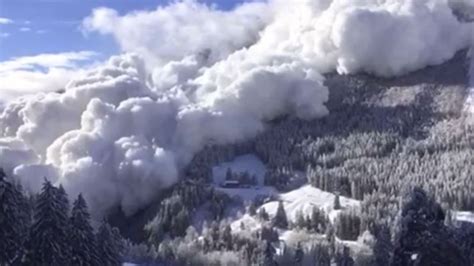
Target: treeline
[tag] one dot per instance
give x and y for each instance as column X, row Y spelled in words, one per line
column 44, row 230
column 422, row 235
column 176, row 212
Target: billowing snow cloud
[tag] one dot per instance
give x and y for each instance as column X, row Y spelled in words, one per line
column 125, row 130
column 181, row 29
column 43, row 72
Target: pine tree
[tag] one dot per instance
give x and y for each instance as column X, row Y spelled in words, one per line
column 228, row 174
column 337, row 202
column 280, row 220
column 299, row 254
column 423, row 239
column 269, row 234
column 108, row 246
column 345, row 259
column 317, row 221
column 268, row 254
column 383, row 245
column 252, row 209
column 13, row 222
column 48, row 243
column 263, row 215
column 83, row 242
column 226, row 237
column 300, row 221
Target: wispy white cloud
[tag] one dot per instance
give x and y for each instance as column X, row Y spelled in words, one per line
column 43, row 72
column 4, row 35
column 59, row 60
column 5, row 20
column 25, row 29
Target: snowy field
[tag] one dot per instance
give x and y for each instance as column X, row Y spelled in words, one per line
column 302, row 199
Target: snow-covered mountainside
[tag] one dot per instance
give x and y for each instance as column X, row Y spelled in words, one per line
column 381, row 138
column 328, row 132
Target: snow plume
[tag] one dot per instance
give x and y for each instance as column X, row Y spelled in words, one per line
column 124, row 131
column 181, row 29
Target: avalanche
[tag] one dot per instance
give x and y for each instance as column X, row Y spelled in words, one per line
column 122, row 132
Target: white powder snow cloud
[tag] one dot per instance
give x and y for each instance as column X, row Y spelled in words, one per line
column 125, row 130
column 181, row 29
column 40, row 73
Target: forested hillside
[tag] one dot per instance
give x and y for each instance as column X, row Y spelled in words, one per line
column 382, row 138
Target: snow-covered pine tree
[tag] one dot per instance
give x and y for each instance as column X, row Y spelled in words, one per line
column 337, row 202
column 345, row 258
column 268, row 254
column 280, row 220
column 82, row 238
column 383, row 245
column 299, row 254
column 107, row 246
column 48, row 243
column 263, row 215
column 300, row 220
column 226, row 237
column 252, row 209
column 423, row 239
column 13, row 223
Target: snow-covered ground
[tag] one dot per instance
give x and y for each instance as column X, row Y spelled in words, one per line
column 306, row 198
column 245, row 163
column 301, row 199
column 464, row 216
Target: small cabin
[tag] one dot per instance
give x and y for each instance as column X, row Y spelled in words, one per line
column 231, row 184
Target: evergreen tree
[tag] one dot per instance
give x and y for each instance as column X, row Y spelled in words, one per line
column 226, row 237
column 263, row 215
column 280, row 220
column 228, row 174
column 269, row 254
column 318, row 220
column 108, row 246
column 269, row 234
column 83, row 242
column 337, row 202
column 300, row 221
column 345, row 259
column 347, row 225
column 299, row 254
column 48, row 243
column 318, row 255
column 252, row 209
column 63, row 199
column 13, row 222
column 383, row 245
column 423, row 239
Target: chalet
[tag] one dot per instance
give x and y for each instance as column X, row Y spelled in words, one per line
column 231, row 184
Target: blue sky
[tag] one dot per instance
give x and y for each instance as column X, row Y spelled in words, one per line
column 52, row 26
